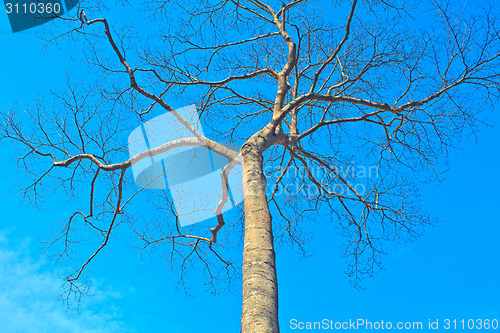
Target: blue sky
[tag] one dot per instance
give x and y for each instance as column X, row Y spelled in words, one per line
column 451, row 272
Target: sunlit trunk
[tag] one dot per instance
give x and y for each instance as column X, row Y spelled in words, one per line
column 260, row 284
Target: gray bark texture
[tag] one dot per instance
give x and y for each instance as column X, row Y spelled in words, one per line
column 260, row 284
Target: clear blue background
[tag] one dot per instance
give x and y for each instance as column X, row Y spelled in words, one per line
column 450, row 272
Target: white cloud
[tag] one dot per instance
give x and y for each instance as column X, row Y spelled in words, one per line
column 28, row 301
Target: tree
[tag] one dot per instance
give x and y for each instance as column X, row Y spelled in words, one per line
column 312, row 88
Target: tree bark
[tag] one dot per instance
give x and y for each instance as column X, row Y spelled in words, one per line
column 260, row 284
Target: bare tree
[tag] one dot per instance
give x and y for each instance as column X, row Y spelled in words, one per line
column 307, row 89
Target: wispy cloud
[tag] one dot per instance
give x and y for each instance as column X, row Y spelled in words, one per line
column 28, row 301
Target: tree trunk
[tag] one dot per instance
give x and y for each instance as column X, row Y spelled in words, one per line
column 260, row 284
